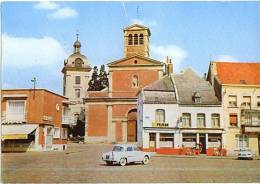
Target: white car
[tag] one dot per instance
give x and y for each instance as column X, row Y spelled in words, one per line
column 245, row 154
column 125, row 153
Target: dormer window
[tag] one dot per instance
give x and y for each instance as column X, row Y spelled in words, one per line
column 196, row 97
column 141, row 39
column 130, row 39
column 135, row 39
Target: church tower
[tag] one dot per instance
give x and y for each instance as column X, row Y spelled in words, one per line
column 136, row 40
column 76, row 73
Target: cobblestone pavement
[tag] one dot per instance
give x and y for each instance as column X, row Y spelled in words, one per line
column 82, row 163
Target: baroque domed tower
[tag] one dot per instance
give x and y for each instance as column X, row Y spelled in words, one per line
column 76, row 72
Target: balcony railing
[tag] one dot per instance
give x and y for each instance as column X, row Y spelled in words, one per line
column 68, row 120
column 250, row 117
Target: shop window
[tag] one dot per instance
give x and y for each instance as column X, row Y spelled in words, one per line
column 56, row 132
column 201, row 120
column 160, row 115
column 77, row 93
column 77, row 80
column 214, row 140
column 141, row 39
column 135, row 39
column 246, row 102
column 130, row 39
column 135, row 82
column 232, row 101
column 166, row 140
column 242, row 141
column 186, row 120
column 215, row 120
column 233, row 120
column 189, row 140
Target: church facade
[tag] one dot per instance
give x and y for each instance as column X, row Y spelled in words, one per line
column 111, row 114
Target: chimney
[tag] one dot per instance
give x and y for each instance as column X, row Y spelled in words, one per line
column 169, row 67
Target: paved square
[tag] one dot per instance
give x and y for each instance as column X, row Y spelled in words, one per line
column 82, row 163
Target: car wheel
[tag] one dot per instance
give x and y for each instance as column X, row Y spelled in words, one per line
column 146, row 160
column 122, row 162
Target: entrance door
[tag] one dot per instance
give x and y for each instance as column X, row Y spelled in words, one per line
column 202, row 142
column 132, row 126
column 49, row 137
column 152, row 141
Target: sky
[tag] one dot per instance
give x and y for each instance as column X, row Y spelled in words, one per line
column 38, row 36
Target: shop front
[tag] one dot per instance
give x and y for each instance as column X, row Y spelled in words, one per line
column 185, row 142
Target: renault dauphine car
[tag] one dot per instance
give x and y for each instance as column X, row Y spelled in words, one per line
column 125, row 153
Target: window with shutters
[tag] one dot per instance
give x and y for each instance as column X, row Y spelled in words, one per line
column 233, row 120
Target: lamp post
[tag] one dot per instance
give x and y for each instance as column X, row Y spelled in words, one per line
column 34, row 85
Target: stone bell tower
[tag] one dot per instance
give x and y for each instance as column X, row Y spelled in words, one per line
column 76, row 73
column 136, row 40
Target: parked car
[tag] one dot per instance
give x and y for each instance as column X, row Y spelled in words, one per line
column 245, row 154
column 125, row 153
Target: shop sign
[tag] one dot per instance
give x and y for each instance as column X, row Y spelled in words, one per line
column 47, row 118
column 252, row 129
column 158, row 124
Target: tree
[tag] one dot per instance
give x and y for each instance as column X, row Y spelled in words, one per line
column 98, row 81
column 93, row 83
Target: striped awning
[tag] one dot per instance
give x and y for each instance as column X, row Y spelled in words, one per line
column 18, row 131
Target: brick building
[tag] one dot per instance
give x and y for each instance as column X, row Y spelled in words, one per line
column 111, row 114
column 34, row 120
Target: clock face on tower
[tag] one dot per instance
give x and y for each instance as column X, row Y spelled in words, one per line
column 78, row 63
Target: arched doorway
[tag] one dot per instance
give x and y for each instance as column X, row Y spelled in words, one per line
column 132, row 126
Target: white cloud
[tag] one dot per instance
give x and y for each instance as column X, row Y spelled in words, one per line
column 46, row 5
column 177, row 54
column 24, row 52
column 144, row 22
column 63, row 13
column 226, row 58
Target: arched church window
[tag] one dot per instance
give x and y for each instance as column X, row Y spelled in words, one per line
column 130, row 39
column 135, row 39
column 135, row 82
column 141, row 39
column 78, row 63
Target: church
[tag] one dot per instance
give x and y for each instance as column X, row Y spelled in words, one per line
column 111, row 113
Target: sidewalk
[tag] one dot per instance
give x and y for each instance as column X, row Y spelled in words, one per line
column 202, row 156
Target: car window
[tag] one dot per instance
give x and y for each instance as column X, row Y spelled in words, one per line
column 118, row 148
column 129, row 148
column 136, row 148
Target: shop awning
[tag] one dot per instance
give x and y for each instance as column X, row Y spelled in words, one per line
column 19, row 131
